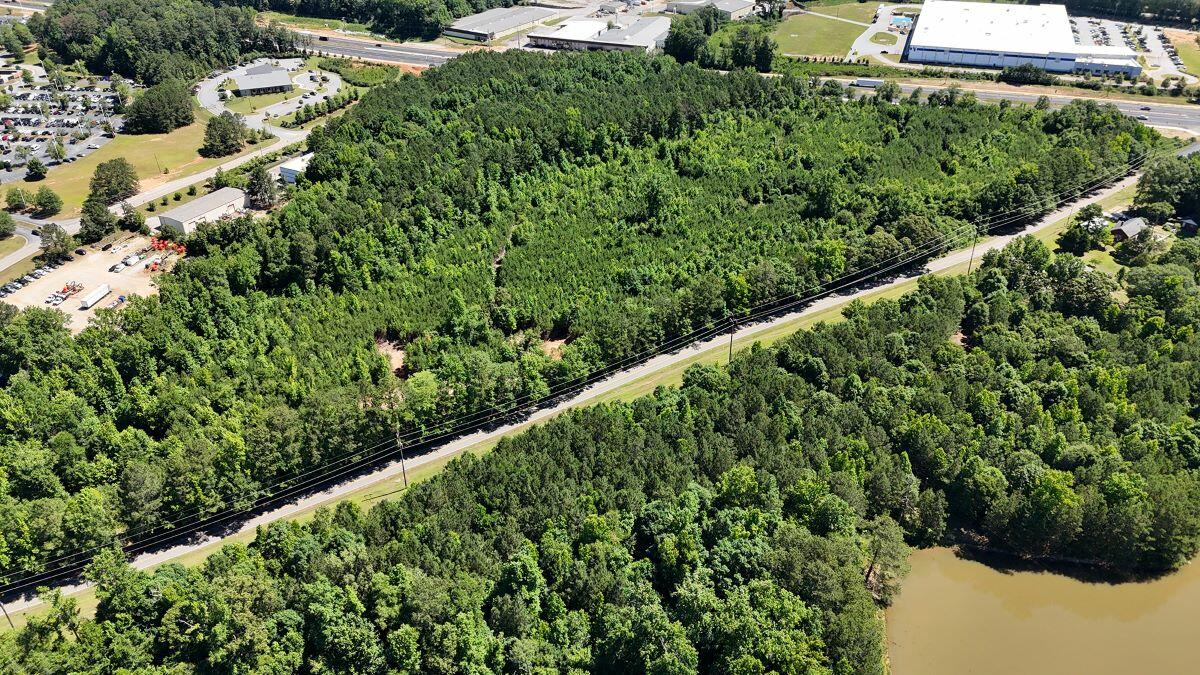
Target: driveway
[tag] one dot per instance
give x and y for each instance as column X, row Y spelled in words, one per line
column 209, row 95
column 863, row 46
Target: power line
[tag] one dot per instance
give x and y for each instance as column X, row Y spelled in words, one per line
column 383, row 448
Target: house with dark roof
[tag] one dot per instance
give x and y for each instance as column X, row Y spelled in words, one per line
column 1128, row 229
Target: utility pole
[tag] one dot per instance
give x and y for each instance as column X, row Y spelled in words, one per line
column 974, row 239
column 732, row 325
column 403, row 463
column 6, row 616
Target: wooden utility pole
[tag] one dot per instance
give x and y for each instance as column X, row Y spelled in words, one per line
column 974, row 240
column 403, row 463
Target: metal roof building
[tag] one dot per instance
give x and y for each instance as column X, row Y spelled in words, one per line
column 733, row 10
column 955, row 33
column 223, row 203
column 645, row 34
column 256, row 81
column 290, row 170
column 487, row 26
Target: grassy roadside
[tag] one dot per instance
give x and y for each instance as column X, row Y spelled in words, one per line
column 670, row 376
column 1073, row 92
column 157, row 158
column 10, row 244
column 312, row 23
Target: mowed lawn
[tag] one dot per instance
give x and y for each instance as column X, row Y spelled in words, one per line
column 1189, row 51
column 161, row 157
column 855, row 11
column 810, row 35
column 244, row 105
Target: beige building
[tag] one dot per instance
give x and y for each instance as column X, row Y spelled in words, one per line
column 224, row 203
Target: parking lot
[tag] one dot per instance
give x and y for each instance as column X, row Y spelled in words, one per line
column 64, row 286
column 41, row 115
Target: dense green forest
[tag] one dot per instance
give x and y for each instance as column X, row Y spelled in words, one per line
column 747, row 522
column 153, row 40
column 402, row 19
column 469, row 216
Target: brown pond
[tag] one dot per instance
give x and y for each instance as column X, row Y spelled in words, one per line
column 960, row 616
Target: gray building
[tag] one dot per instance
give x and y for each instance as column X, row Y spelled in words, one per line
column 489, row 25
column 224, row 203
column 733, row 10
column 258, row 80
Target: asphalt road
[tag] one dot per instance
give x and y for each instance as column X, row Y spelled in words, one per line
column 1169, row 115
column 416, row 55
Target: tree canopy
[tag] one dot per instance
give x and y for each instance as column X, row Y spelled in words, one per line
column 154, row 41
column 162, row 108
column 507, row 223
column 750, row 520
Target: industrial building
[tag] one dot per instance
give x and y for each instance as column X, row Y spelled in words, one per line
column 733, row 10
column 224, row 203
column 262, row 79
column 290, row 170
column 645, row 34
column 983, row 35
column 489, row 25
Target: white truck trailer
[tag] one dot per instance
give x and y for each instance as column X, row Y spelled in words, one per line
column 95, row 296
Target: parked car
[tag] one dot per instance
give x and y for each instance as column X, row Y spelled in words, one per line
column 80, row 251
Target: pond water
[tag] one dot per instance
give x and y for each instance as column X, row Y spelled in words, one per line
column 960, row 616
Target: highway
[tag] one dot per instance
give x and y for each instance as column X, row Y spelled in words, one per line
column 391, row 52
column 1184, row 116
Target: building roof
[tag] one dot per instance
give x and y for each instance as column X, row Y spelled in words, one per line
column 209, row 202
column 297, row 164
column 261, row 69
column 731, row 6
column 1131, row 227
column 1020, row 29
column 501, row 19
column 270, row 80
column 582, row 29
column 645, row 32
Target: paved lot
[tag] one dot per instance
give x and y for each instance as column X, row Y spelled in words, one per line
column 91, row 270
column 208, row 92
column 39, row 113
column 863, row 46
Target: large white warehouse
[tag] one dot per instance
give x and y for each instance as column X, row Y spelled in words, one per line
column 985, row 35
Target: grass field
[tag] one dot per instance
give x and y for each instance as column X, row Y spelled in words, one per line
column 313, row 23
column 1189, row 51
column 854, row 11
column 159, row 156
column 10, row 244
column 244, row 105
column 884, row 39
column 811, row 35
